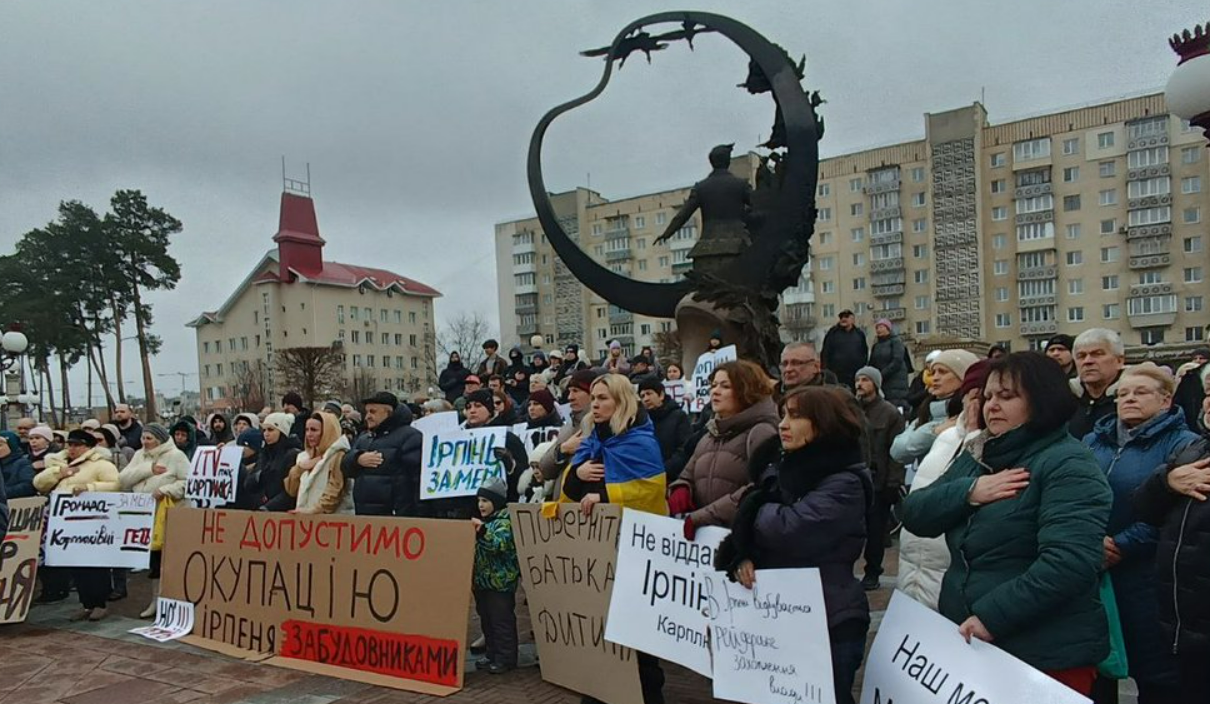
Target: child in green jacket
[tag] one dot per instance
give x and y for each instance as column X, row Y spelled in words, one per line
column 495, row 578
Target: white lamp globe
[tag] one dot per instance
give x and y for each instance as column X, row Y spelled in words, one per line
column 1188, row 90
column 14, row 342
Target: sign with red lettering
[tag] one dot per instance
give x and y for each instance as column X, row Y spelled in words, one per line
column 19, row 557
column 100, row 530
column 567, row 566
column 333, row 595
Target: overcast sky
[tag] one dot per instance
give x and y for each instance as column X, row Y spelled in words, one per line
column 415, row 116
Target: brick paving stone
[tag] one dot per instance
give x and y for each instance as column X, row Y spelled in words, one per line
column 134, row 690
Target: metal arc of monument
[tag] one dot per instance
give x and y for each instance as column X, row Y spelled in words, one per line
column 787, row 215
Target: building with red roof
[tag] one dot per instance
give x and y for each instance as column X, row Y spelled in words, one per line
column 382, row 323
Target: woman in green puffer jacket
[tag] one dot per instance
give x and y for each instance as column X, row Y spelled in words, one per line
column 1024, row 510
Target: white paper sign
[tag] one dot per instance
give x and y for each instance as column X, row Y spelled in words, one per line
column 213, row 476
column 658, row 602
column 458, row 462
column 437, row 422
column 919, row 658
column 678, row 390
column 173, row 619
column 564, row 410
column 532, row 438
column 701, row 375
column 100, row 530
column 770, row 642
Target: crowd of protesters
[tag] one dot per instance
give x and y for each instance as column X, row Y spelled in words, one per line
column 1044, row 484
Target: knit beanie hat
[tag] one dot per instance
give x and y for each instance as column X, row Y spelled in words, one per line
column 113, row 430
column 583, row 379
column 251, row 419
column 872, row 374
column 281, row 422
column 1067, row 342
column 975, row 377
column 615, row 345
column 650, row 383
column 887, row 323
column 155, row 430
column 957, row 361
column 252, row 438
column 43, row 432
column 91, row 424
column 544, row 398
column 495, row 491
column 483, row 397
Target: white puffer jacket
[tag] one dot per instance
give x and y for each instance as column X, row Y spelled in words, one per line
column 139, row 474
column 923, row 561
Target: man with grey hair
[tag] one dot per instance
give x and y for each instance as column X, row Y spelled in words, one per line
column 131, row 429
column 800, row 367
column 1100, row 358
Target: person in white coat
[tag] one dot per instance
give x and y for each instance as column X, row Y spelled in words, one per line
column 923, row 561
column 948, row 371
column 159, row 469
column 316, row 480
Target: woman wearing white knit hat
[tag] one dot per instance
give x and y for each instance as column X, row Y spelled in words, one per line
column 948, row 369
column 267, row 483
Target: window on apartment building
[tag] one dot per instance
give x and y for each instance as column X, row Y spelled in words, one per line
column 1193, row 275
column 1191, row 215
column 855, row 185
column 664, row 262
column 1157, row 186
column 1071, row 174
column 825, row 238
column 1000, row 267
column 597, row 229
column 342, row 336
column 1107, row 169
column 340, row 314
column 1150, row 305
column 918, row 200
column 1108, row 196
column 858, row 259
column 828, row 286
column 1002, row 293
column 1073, row 231
column 1109, row 255
column 825, row 189
column 998, row 241
column 887, row 226
column 1191, row 155
column 1195, row 334
column 920, row 251
column 1150, row 277
column 1191, row 184
column 921, row 276
column 999, row 186
column 917, row 174
column 218, row 370
column 921, row 302
column 355, row 337
column 1003, row 320
column 1193, row 304
column 1071, row 146
column 886, row 251
column 920, row 225
column 998, row 160
column 1109, row 283
column 1075, row 287
column 230, row 344
column 1075, row 258
column 825, row 215
column 369, row 360
column 1108, row 227
column 1193, row 244
column 1071, row 203
column 1035, row 231
column 642, row 265
column 1031, row 149
column 243, row 344
column 856, row 209
column 1149, row 216
column 206, row 369
column 206, row 347
column 826, row 263
column 1152, row 156
column 354, row 313
column 639, row 222
column 1105, row 140
column 859, row 283
column 857, row 234
column 660, row 218
column 829, row 310
column 1075, row 315
column 398, row 339
column 1111, row 311
column 386, row 338
column 922, row 327
column 999, row 213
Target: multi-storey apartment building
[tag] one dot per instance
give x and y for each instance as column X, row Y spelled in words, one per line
column 977, row 233
column 381, row 322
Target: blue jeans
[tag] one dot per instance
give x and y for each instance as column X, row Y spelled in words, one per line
column 846, row 658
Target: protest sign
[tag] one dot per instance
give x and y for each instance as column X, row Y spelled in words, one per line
column 442, row 422
column 378, row 600
column 706, row 363
column 567, row 568
column 173, row 619
column 679, row 392
column 100, row 530
column 19, row 557
column 919, row 658
column 659, row 601
column 458, row 462
column 564, row 410
column 770, row 642
column 531, row 438
column 213, row 476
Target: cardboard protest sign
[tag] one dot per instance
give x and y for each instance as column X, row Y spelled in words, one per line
column 770, row 642
column 458, row 462
column 706, row 363
column 378, row 600
column 919, row 658
column 567, row 567
column 19, row 557
column 659, row 596
column 213, row 476
column 173, row 619
column 442, row 422
column 678, row 390
column 100, row 530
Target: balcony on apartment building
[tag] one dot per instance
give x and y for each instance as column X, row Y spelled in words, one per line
column 1150, row 253
column 617, row 255
column 891, row 314
column 1037, row 272
column 882, row 186
column 617, row 231
column 887, row 238
column 1041, row 328
column 524, row 245
column 618, row 316
column 887, row 213
column 1032, row 190
column 882, row 265
column 1151, row 305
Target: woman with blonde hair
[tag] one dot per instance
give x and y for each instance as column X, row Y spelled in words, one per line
column 316, row 480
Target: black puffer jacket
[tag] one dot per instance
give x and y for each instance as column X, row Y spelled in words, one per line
column 672, row 429
column 266, row 485
column 1182, row 560
column 393, row 487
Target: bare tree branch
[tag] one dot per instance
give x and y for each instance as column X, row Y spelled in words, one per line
column 314, row 372
column 465, row 335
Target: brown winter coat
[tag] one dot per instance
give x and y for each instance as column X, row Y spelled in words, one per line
column 884, row 423
column 717, row 473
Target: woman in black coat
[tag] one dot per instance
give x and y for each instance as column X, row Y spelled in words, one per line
column 808, row 509
column 453, row 378
column 267, row 482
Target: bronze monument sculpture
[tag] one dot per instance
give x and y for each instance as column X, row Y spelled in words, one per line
column 754, row 241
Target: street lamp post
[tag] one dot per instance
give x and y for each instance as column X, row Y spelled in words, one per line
column 1188, row 90
column 13, row 344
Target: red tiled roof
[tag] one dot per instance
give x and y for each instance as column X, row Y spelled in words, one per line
column 339, row 274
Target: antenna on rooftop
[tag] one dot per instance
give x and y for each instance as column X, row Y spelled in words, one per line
column 293, row 185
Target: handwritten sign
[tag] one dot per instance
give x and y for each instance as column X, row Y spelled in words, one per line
column 100, row 530
column 770, row 642
column 458, row 462
column 567, row 568
column 213, row 476
column 659, row 601
column 564, row 410
column 532, row 437
column 173, row 620
column 442, row 422
column 678, row 390
column 379, row 600
column 19, row 557
column 919, row 658
column 701, row 375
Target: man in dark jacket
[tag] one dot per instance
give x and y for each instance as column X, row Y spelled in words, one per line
column 131, row 429
column 1100, row 358
column 453, row 378
column 493, row 364
column 845, row 349
column 800, row 367
column 641, row 368
column 889, row 357
column 1192, row 388
column 292, row 403
column 384, row 463
column 883, row 423
column 1059, row 348
column 671, row 423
